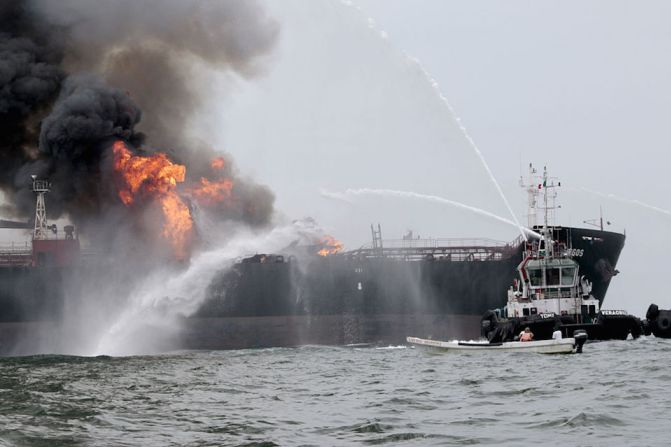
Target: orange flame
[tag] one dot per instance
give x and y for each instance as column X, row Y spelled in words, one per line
column 178, row 225
column 155, row 177
column 210, row 193
column 218, row 163
column 331, row 246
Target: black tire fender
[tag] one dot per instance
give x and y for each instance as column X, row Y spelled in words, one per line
column 653, row 312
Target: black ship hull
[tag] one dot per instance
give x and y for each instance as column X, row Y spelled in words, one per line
column 364, row 296
column 385, row 295
column 596, row 252
column 31, row 294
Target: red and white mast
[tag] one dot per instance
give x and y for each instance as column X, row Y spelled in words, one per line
column 40, row 187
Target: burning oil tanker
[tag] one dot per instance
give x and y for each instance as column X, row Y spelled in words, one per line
column 314, row 294
column 95, row 98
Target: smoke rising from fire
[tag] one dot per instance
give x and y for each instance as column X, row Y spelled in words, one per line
column 77, row 76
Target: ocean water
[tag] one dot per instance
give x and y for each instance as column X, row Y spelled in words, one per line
column 615, row 393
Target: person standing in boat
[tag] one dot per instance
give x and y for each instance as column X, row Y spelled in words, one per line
column 526, row 335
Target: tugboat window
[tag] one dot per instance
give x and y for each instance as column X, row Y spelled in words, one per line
column 536, row 277
column 567, row 275
column 552, row 277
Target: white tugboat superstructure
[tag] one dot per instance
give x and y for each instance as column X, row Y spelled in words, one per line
column 549, row 284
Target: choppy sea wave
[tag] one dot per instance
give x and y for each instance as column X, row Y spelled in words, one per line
column 615, row 393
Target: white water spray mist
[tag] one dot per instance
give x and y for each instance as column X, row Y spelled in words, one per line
column 629, row 201
column 345, row 196
column 151, row 320
column 434, row 84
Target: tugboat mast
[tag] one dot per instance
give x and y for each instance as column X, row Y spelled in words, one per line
column 534, row 185
column 546, row 231
column 548, row 248
column 532, row 192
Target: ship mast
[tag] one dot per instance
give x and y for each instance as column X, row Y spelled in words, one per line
column 40, row 187
column 532, row 193
column 533, row 187
column 546, row 233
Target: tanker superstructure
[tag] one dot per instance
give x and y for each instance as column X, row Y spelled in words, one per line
column 33, row 278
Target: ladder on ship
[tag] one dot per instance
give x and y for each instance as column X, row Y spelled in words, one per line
column 377, row 239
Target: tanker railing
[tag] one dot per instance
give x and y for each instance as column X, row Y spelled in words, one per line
column 16, row 254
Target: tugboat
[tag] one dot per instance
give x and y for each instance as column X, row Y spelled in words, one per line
column 550, row 294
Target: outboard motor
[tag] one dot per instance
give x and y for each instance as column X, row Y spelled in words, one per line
column 488, row 324
column 580, row 336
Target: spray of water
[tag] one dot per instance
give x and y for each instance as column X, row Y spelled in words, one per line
column 347, row 194
column 629, row 201
column 434, row 84
column 151, row 321
column 471, row 143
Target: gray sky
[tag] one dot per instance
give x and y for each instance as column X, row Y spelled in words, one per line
column 580, row 86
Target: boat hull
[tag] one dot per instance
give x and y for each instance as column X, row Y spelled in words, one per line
column 363, row 284
column 596, row 252
column 381, row 330
column 23, row 338
column 32, row 293
column 563, row 346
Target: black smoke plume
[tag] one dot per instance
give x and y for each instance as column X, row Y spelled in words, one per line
column 75, row 75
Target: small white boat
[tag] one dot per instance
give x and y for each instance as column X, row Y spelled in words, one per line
column 561, row 346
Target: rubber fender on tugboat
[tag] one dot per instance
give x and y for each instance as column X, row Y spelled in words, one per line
column 636, row 327
column 661, row 326
column 566, row 319
column 653, row 312
column 664, row 323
